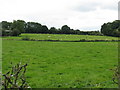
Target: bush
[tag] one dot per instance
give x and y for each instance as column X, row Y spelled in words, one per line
column 116, row 75
column 6, row 32
column 83, row 40
column 26, row 38
column 16, row 32
column 15, row 78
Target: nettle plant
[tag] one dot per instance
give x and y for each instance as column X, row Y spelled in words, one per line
column 15, row 78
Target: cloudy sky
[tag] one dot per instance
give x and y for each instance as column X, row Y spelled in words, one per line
column 78, row 14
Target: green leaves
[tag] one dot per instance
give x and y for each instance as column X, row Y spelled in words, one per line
column 111, row 28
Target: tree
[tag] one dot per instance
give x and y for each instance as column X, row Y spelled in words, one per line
column 3, row 33
column 77, row 32
column 19, row 25
column 53, row 30
column 65, row 29
column 6, row 25
column 111, row 28
column 44, row 29
column 7, row 32
column 33, row 27
column 15, row 32
column 115, row 24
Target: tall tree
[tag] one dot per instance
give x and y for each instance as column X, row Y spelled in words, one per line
column 65, row 29
column 53, row 30
column 19, row 25
column 44, row 29
column 33, row 27
column 111, row 28
column 6, row 25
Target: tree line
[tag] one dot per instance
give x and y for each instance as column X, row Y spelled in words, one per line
column 17, row 27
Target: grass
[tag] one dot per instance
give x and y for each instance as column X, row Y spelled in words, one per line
column 0, row 53
column 63, row 64
column 0, row 61
column 62, row 37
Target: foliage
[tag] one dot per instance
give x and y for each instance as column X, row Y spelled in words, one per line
column 26, row 38
column 116, row 75
column 53, row 30
column 16, row 77
column 18, row 25
column 65, row 29
column 15, row 32
column 6, row 25
column 111, row 28
column 35, row 27
column 14, row 28
column 44, row 29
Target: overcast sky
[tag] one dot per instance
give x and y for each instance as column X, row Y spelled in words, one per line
column 78, row 14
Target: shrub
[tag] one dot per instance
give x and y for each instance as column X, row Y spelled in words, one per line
column 26, row 38
column 16, row 32
column 116, row 75
column 15, row 78
column 82, row 40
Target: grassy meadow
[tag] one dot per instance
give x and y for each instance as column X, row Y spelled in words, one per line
column 63, row 64
column 0, row 61
column 61, row 37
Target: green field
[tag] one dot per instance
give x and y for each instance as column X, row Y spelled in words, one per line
column 63, row 64
column 0, row 61
column 62, row 37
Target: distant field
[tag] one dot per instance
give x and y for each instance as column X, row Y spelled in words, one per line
column 62, row 37
column 63, row 64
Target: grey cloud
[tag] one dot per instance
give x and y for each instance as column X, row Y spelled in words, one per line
column 111, row 6
column 92, row 6
column 86, row 7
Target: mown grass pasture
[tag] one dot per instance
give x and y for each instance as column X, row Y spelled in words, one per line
column 63, row 64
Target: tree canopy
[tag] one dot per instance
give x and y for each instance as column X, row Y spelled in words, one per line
column 111, row 28
column 17, row 27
